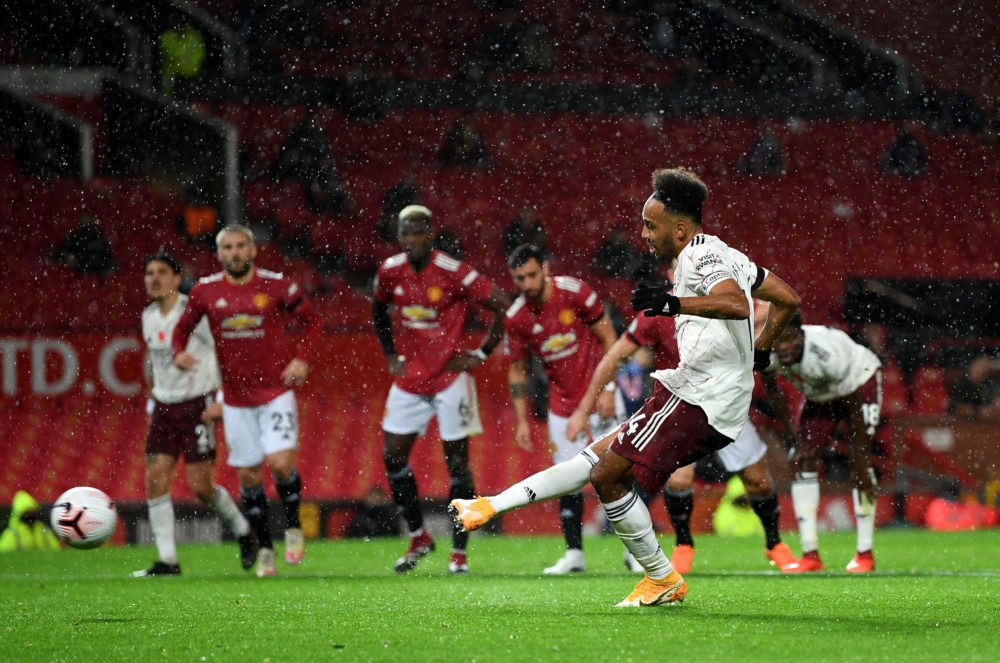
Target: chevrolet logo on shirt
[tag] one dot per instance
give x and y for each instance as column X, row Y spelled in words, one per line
column 418, row 313
column 242, row 321
column 558, row 342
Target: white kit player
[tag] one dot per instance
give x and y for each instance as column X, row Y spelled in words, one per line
column 842, row 383
column 184, row 413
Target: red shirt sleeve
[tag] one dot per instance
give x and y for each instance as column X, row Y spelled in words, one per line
column 383, row 288
column 589, row 304
column 515, row 346
column 188, row 321
column 302, row 308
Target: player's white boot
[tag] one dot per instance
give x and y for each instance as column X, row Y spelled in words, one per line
column 265, row 563
column 571, row 562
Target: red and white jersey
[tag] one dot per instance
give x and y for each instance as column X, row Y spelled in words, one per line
column 715, row 370
column 559, row 332
column 832, row 365
column 248, row 322
column 430, row 309
column 171, row 384
column 659, row 334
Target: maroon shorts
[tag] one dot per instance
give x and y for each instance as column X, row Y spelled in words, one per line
column 665, row 434
column 176, row 430
column 822, row 423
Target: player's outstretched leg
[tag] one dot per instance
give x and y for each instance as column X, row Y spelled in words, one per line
column 560, row 479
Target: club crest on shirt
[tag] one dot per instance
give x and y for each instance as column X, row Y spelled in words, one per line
column 567, row 316
column 434, row 294
column 261, row 300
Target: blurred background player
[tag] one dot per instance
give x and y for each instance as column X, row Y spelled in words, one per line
column 431, row 292
column 745, row 456
column 562, row 321
column 842, row 383
column 248, row 311
column 184, row 413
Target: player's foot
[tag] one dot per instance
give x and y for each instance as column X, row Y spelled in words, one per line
column 571, row 562
column 863, row 562
column 265, row 563
column 649, row 592
column 159, row 569
column 810, row 563
column 780, row 555
column 420, row 545
column 295, row 546
column 682, row 558
column 631, row 564
column 248, row 550
column 458, row 563
column 470, row 515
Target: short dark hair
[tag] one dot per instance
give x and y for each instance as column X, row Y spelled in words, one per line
column 523, row 254
column 795, row 322
column 165, row 258
column 681, row 191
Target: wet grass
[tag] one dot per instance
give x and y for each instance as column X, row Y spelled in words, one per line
column 935, row 596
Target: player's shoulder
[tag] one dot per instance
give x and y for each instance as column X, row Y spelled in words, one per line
column 210, row 281
column 149, row 311
column 269, row 275
column 446, row 262
column 516, row 308
column 393, row 262
column 569, row 284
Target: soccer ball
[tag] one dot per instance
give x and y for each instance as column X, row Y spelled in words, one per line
column 84, row 517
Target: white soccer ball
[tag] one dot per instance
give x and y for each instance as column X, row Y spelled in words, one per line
column 84, row 517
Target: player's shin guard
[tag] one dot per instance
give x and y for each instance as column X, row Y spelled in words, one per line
column 561, row 479
column 224, row 505
column 680, row 505
column 255, row 509
column 571, row 520
column 404, row 491
column 460, row 488
column 864, row 515
column 769, row 512
column 290, row 491
column 634, row 527
column 161, row 521
column 805, row 500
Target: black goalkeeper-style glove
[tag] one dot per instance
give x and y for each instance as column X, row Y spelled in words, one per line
column 761, row 360
column 654, row 299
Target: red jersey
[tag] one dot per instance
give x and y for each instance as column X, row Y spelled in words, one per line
column 559, row 332
column 659, row 333
column 430, row 309
column 248, row 322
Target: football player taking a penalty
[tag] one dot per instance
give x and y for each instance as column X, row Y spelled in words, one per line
column 698, row 407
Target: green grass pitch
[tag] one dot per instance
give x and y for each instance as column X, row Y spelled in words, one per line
column 934, row 597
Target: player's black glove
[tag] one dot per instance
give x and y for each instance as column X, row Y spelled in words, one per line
column 761, row 360
column 654, row 299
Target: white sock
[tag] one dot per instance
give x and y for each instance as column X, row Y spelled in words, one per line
column 805, row 500
column 161, row 521
column 634, row 527
column 562, row 479
column 229, row 513
column 864, row 514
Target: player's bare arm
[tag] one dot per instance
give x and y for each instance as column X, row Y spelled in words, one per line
column 775, row 399
column 605, row 332
column 295, row 373
column 726, row 302
column 466, row 360
column 606, row 370
column 212, row 413
column 382, row 322
column 785, row 302
column 860, row 449
column 517, row 378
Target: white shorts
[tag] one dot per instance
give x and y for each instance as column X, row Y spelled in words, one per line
column 456, row 409
column 744, row 451
column 255, row 432
column 562, row 448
